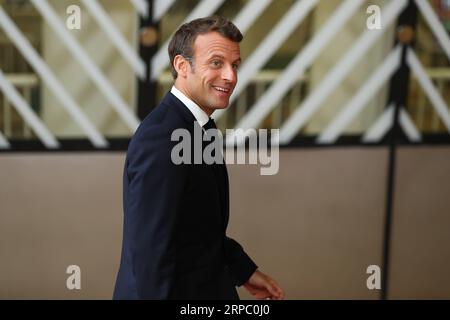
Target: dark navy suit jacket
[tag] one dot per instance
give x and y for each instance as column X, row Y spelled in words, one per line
column 175, row 219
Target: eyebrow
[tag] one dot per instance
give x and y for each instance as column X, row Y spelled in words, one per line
column 239, row 60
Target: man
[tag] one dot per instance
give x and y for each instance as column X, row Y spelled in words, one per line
column 174, row 241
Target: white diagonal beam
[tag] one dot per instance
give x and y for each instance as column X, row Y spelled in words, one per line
column 160, row 8
column 24, row 109
column 278, row 35
column 379, row 128
column 296, row 68
column 360, row 99
column 4, row 144
column 161, row 60
column 431, row 92
column 141, row 7
column 313, row 102
column 250, row 13
column 88, row 65
column 435, row 25
column 408, row 126
column 130, row 56
column 50, row 79
column 261, row 55
column 382, row 125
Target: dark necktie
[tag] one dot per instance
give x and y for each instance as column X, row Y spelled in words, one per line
column 211, row 124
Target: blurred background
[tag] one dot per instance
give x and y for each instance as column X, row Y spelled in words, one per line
column 361, row 99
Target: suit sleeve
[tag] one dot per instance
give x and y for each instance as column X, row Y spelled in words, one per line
column 152, row 203
column 238, row 262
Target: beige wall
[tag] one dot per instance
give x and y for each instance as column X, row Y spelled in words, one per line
column 315, row 226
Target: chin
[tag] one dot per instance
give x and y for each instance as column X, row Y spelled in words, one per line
column 221, row 106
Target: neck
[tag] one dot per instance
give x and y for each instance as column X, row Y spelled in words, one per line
column 183, row 90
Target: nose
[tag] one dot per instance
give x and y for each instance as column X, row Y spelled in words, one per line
column 229, row 74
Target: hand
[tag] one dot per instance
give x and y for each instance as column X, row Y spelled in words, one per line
column 261, row 286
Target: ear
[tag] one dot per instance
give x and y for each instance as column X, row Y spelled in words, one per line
column 181, row 65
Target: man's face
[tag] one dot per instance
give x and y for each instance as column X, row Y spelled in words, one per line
column 213, row 75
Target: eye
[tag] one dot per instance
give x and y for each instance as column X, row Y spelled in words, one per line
column 235, row 66
column 216, row 63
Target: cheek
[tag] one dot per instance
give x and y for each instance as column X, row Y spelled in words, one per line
column 211, row 75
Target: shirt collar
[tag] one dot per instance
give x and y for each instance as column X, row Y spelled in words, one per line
column 200, row 115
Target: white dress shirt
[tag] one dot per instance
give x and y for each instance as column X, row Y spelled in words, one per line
column 200, row 115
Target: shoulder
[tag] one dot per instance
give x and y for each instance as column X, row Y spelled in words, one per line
column 159, row 124
column 154, row 134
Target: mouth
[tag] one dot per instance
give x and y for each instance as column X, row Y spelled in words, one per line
column 223, row 90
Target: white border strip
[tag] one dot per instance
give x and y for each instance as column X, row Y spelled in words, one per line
column 267, row 102
column 160, row 7
column 54, row 85
column 294, row 16
column 382, row 125
column 313, row 102
column 435, row 25
column 114, row 34
column 161, row 59
column 359, row 100
column 141, row 7
column 436, row 100
column 86, row 62
column 24, row 109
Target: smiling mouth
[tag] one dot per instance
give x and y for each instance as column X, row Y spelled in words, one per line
column 222, row 89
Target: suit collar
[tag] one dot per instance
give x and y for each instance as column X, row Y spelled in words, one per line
column 171, row 101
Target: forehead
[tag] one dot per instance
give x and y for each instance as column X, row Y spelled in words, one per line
column 213, row 43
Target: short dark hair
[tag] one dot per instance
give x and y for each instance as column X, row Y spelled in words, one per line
column 182, row 42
